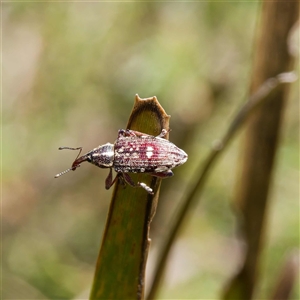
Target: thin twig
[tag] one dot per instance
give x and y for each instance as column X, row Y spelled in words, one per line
column 203, row 169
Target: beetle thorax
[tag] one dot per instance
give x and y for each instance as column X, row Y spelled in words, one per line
column 102, row 156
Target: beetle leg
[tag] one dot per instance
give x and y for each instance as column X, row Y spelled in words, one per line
column 121, row 133
column 121, row 179
column 126, row 133
column 165, row 174
column 146, row 188
column 133, row 133
column 109, row 181
column 163, row 133
column 128, row 179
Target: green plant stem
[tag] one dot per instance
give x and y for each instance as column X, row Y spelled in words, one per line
column 120, row 269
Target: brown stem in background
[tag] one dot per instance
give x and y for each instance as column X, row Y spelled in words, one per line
column 261, row 140
column 270, row 86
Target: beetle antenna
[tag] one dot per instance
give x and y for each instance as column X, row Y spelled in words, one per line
column 64, row 172
column 70, row 148
column 71, row 169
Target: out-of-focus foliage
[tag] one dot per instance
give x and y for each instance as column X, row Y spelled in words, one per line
column 70, row 73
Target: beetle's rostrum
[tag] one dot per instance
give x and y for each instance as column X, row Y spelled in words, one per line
column 133, row 152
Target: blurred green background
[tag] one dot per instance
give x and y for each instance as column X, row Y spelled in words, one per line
column 70, row 72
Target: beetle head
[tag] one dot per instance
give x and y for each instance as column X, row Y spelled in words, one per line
column 102, row 157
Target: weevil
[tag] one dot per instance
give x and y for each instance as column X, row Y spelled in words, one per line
column 133, row 152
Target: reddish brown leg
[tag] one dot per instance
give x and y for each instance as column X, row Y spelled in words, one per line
column 128, row 179
column 109, row 181
column 126, row 133
column 165, row 174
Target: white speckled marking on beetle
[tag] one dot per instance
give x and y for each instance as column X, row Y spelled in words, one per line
column 149, row 154
column 135, row 155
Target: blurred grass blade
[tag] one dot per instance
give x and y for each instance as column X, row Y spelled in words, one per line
column 120, row 269
column 202, row 171
column 261, row 142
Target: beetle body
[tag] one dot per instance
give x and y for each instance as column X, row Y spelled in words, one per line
column 135, row 152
